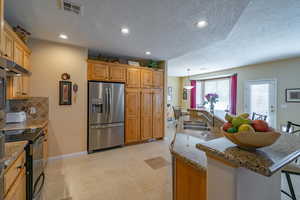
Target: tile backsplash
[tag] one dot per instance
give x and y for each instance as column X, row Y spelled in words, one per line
column 36, row 108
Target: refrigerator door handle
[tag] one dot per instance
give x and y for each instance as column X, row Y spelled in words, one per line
column 107, row 126
column 110, row 100
column 107, row 103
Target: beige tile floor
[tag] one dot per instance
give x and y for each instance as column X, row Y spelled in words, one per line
column 117, row 174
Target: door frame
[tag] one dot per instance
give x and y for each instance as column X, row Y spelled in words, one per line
column 248, row 82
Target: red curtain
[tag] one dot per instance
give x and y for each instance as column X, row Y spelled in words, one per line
column 233, row 97
column 193, row 94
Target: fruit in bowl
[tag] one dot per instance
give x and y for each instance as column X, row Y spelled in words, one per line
column 248, row 134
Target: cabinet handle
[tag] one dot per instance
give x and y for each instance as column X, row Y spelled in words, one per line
column 21, row 167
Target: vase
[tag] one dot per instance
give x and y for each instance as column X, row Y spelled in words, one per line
column 212, row 108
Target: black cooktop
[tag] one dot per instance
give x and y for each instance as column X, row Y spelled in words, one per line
column 22, row 135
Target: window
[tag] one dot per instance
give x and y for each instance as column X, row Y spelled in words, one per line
column 218, row 86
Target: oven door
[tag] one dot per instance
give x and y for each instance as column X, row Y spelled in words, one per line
column 38, row 176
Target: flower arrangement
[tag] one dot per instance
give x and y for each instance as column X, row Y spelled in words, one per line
column 212, row 99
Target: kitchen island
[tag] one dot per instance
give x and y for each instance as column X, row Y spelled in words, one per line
column 247, row 175
column 208, row 166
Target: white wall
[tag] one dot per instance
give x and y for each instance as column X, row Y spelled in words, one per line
column 287, row 73
column 67, row 126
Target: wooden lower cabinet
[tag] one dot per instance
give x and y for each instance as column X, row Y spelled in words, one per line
column 132, row 116
column 189, row 183
column 18, row 190
column 158, row 113
column 146, row 114
column 15, row 180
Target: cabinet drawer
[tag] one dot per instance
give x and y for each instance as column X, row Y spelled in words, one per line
column 13, row 172
column 18, row 189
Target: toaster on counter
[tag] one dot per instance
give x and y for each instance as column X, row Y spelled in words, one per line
column 15, row 117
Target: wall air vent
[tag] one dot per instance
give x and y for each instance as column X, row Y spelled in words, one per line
column 73, row 7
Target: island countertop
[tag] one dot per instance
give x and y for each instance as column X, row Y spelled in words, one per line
column 184, row 147
column 265, row 161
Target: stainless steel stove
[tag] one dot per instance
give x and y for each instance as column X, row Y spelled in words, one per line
column 34, row 159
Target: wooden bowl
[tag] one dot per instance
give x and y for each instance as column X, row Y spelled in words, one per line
column 252, row 140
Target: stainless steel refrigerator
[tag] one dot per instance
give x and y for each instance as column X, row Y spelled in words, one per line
column 105, row 115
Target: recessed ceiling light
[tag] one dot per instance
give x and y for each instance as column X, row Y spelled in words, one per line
column 148, row 53
column 125, row 31
column 202, row 24
column 63, row 36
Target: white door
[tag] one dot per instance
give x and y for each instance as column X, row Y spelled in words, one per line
column 260, row 97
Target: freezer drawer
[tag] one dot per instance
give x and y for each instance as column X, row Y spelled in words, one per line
column 105, row 136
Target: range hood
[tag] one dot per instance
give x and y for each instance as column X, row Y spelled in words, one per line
column 12, row 68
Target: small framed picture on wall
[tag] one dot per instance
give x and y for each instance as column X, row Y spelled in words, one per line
column 65, row 93
column 292, row 95
column 184, row 96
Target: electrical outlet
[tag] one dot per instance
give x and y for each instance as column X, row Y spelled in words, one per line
column 32, row 110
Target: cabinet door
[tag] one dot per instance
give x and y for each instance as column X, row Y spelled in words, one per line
column 190, row 183
column 133, row 77
column 98, row 72
column 25, row 86
column 117, row 73
column 18, row 190
column 1, row 26
column 16, row 86
column 8, row 46
column 146, row 78
column 18, row 54
column 133, row 114
column 146, row 114
column 26, row 60
column 158, row 79
column 158, row 113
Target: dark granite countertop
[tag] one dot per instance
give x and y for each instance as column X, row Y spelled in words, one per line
column 25, row 125
column 12, row 152
column 265, row 161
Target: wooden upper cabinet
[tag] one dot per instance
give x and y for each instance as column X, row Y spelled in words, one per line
column 132, row 117
column 98, row 71
column 133, row 77
column 26, row 60
column 158, row 113
column 158, row 79
column 146, row 114
column 8, row 44
column 18, row 54
column 117, row 73
column 146, row 78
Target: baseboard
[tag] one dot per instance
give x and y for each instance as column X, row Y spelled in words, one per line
column 67, row 156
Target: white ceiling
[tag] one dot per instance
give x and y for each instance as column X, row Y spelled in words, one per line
column 239, row 33
column 267, row 30
column 164, row 27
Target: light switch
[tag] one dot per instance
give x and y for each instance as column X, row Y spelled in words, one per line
column 283, row 106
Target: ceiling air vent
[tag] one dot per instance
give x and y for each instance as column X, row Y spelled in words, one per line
column 73, row 7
